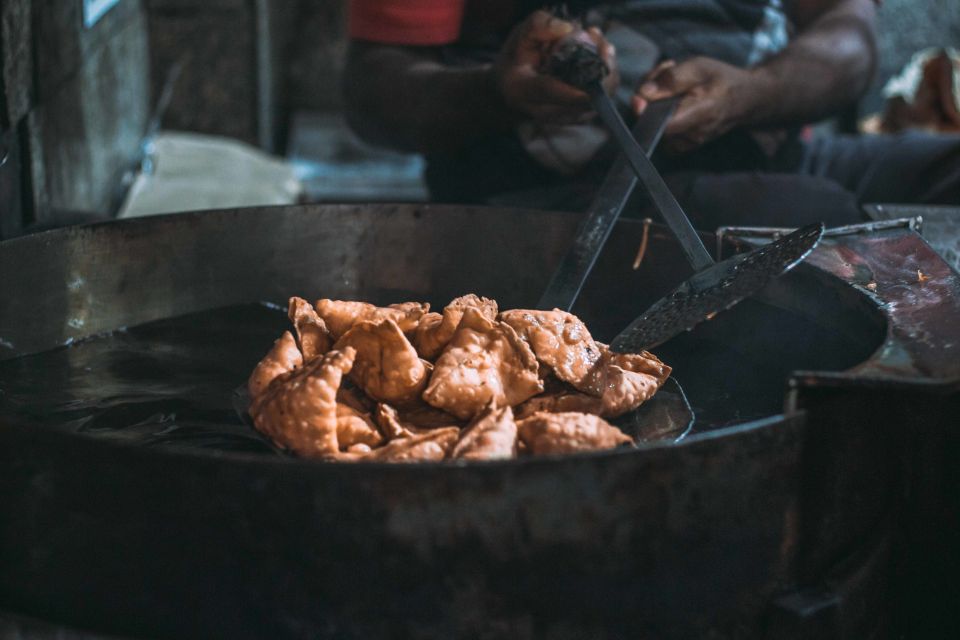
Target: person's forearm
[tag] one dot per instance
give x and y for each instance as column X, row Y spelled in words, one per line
column 405, row 100
column 828, row 67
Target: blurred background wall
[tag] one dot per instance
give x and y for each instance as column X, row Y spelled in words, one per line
column 77, row 100
column 75, row 107
column 906, row 26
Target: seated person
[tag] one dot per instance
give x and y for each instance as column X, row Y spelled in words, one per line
column 461, row 81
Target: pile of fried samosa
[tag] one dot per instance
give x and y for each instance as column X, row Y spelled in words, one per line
column 354, row 381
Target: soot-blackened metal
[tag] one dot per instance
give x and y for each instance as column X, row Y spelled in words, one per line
column 708, row 293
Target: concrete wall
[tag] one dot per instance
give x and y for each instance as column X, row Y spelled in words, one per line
column 75, row 102
column 247, row 64
column 216, row 43
column 906, row 26
column 317, row 52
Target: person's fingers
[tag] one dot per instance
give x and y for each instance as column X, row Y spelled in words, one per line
column 543, row 89
column 673, row 80
column 694, row 118
column 660, row 68
column 686, row 75
column 605, row 49
column 638, row 104
column 547, row 99
column 608, row 54
column 557, row 114
column 690, row 115
column 530, row 40
column 693, row 124
column 596, row 37
column 600, row 44
column 650, row 84
column 545, row 27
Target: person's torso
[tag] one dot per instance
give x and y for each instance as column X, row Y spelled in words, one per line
column 740, row 32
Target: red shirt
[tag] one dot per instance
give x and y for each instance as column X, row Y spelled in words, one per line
column 406, row 22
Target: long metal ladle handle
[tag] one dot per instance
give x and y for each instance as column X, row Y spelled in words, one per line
column 661, row 195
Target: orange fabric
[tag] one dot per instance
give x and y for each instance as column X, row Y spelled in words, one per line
column 406, row 22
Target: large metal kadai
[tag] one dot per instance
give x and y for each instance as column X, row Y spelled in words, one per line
column 814, row 497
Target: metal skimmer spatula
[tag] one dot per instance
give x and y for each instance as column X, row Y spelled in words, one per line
column 715, row 286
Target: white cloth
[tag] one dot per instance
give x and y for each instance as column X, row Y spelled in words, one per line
column 188, row 171
column 567, row 148
column 906, row 83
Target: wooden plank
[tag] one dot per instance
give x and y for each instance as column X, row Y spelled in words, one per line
column 11, row 172
column 62, row 44
column 88, row 133
column 17, row 57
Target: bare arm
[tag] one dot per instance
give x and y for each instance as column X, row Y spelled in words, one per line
column 403, row 97
column 828, row 66
column 406, row 98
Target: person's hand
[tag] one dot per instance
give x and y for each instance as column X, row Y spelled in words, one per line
column 715, row 98
column 526, row 89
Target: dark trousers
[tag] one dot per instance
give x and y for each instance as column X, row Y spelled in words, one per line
column 731, row 183
column 828, row 180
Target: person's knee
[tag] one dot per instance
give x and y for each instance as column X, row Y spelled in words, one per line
column 936, row 177
column 764, row 199
column 914, row 167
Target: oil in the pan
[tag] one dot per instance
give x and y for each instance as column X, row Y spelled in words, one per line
column 172, row 382
column 165, row 383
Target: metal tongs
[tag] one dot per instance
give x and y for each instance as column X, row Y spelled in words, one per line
column 714, row 287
